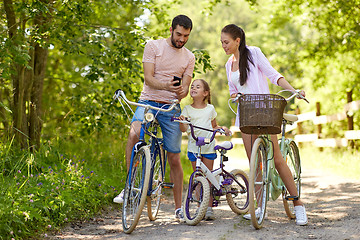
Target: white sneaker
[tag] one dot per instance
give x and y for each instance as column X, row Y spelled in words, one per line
column 179, row 215
column 119, row 198
column 257, row 214
column 300, row 213
column 209, row 215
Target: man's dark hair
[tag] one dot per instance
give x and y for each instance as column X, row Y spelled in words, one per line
column 183, row 21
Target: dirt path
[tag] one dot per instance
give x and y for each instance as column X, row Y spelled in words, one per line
column 332, row 202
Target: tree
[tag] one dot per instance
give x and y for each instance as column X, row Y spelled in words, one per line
column 28, row 69
column 68, row 30
column 61, row 60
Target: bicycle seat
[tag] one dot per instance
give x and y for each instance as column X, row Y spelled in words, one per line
column 290, row 117
column 224, row 145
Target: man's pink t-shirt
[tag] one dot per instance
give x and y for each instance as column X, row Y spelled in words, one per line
column 169, row 62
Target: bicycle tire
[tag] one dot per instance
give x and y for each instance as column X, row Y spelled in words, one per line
column 155, row 184
column 293, row 161
column 258, row 183
column 238, row 197
column 195, row 205
column 136, row 186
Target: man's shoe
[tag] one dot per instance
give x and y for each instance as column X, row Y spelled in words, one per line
column 257, row 214
column 209, row 215
column 179, row 215
column 300, row 213
column 119, row 198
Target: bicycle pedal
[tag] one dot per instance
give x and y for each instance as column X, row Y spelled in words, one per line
column 167, row 185
column 292, row 198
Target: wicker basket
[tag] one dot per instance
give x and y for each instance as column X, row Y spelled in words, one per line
column 261, row 113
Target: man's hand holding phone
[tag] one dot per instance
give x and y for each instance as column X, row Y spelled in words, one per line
column 177, row 81
column 177, row 86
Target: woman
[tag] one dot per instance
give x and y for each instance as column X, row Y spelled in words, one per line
column 246, row 70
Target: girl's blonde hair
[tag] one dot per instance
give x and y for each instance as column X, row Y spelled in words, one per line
column 206, row 89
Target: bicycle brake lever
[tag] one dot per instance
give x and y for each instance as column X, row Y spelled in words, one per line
column 302, row 97
column 238, row 95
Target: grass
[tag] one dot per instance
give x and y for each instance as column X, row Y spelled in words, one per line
column 64, row 181
column 71, row 180
column 340, row 162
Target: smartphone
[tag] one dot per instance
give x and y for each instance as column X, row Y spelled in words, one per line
column 178, row 81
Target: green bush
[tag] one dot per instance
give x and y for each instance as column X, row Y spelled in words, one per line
column 62, row 182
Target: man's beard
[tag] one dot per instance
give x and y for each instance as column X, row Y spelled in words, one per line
column 174, row 43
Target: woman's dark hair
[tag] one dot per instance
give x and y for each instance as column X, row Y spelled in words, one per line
column 183, row 21
column 245, row 54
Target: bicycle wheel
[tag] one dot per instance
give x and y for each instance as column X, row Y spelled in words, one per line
column 136, row 186
column 258, row 183
column 155, row 185
column 237, row 195
column 196, row 200
column 293, row 161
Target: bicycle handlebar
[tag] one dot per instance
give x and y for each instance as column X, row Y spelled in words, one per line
column 197, row 139
column 295, row 94
column 120, row 94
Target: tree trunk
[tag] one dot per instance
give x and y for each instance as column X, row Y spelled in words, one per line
column 35, row 121
column 28, row 83
column 4, row 97
column 40, row 55
column 18, row 106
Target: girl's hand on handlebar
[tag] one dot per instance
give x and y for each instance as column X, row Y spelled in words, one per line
column 183, row 118
column 224, row 130
column 227, row 131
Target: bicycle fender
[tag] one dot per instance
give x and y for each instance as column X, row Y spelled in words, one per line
column 138, row 145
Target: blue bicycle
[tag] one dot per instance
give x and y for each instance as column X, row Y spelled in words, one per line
column 146, row 174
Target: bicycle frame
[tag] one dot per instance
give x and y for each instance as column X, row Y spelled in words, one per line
column 264, row 178
column 155, row 143
column 149, row 119
column 146, row 152
column 234, row 185
column 277, row 185
column 150, row 144
column 215, row 176
column 200, row 166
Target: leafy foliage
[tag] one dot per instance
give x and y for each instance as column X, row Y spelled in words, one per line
column 95, row 47
column 42, row 192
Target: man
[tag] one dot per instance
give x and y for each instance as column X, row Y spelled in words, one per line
column 162, row 60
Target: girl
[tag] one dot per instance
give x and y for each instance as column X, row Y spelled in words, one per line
column 246, row 70
column 202, row 114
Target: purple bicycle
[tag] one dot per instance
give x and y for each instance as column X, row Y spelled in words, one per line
column 234, row 185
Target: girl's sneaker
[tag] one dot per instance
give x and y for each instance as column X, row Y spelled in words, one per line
column 179, row 215
column 209, row 215
column 301, row 217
